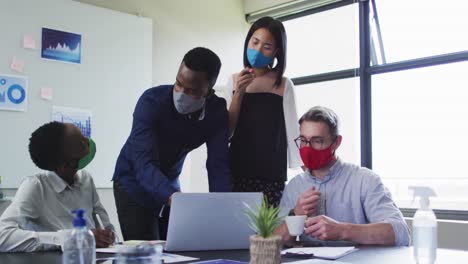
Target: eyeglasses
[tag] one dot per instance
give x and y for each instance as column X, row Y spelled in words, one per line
column 314, row 142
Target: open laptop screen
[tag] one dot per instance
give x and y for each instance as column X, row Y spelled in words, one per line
column 210, row 221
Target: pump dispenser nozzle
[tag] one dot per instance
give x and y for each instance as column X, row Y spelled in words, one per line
column 79, row 220
column 424, row 193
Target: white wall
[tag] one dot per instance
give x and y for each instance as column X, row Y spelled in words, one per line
column 251, row 6
column 178, row 26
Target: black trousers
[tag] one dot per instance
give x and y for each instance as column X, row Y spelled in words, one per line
column 137, row 222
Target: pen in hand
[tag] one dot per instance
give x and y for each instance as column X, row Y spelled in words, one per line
column 104, row 238
column 99, row 222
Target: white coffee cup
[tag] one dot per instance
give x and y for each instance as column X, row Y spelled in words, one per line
column 295, row 224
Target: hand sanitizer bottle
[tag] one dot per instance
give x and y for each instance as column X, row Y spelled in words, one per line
column 80, row 247
column 424, row 227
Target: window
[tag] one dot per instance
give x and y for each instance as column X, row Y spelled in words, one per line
column 420, row 133
column 421, row 28
column 416, row 83
column 323, row 42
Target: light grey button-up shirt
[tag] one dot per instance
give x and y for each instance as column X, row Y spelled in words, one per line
column 351, row 194
column 40, row 217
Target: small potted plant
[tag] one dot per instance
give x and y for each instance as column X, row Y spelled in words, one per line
column 265, row 248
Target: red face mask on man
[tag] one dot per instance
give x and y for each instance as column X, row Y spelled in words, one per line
column 315, row 159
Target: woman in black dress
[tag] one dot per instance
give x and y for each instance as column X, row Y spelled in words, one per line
column 262, row 114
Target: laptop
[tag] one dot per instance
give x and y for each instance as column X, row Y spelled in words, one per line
column 210, row 221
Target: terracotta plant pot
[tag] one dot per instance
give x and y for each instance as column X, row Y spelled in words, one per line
column 265, row 250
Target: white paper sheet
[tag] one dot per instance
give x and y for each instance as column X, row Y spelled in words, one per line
column 322, row 252
column 172, row 258
column 168, row 258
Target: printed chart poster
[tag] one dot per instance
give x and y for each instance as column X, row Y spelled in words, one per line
column 61, row 46
column 79, row 117
column 13, row 93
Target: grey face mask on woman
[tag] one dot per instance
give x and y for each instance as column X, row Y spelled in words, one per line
column 185, row 104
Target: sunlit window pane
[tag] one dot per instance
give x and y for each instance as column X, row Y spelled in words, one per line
column 323, row 42
column 421, row 28
column 420, row 132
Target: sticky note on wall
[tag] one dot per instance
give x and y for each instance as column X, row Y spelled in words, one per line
column 29, row 42
column 46, row 93
column 17, row 64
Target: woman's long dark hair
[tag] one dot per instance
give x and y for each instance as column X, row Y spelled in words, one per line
column 276, row 28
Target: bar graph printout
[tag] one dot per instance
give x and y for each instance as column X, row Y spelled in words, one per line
column 79, row 117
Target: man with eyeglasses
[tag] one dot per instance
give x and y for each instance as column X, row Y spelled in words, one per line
column 342, row 201
column 169, row 121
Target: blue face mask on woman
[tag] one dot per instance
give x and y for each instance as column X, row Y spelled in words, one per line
column 257, row 59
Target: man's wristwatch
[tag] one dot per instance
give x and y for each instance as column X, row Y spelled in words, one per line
column 291, row 212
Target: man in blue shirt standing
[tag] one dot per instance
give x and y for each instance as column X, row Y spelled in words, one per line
column 169, row 121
